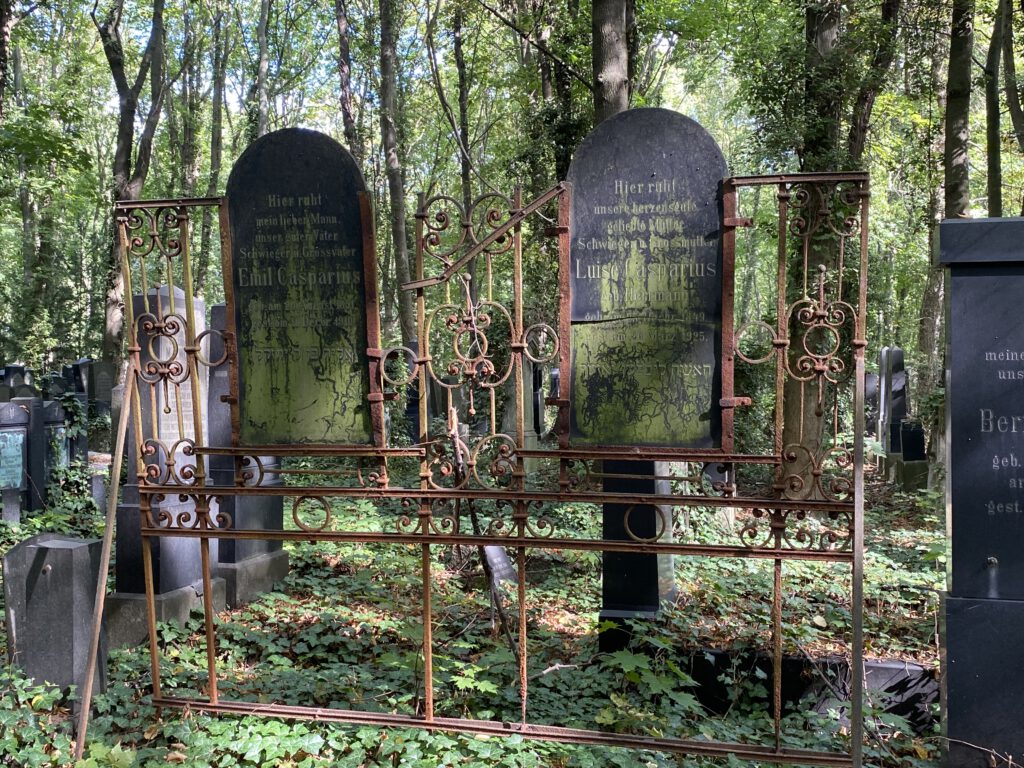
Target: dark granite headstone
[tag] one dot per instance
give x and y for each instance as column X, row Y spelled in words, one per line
column 912, row 441
column 296, row 272
column 57, row 446
column 895, row 411
column 103, row 376
column 15, row 375
column 53, row 386
column 80, row 374
column 646, row 282
column 871, row 381
column 6, row 393
column 50, row 592
column 35, row 437
column 984, row 613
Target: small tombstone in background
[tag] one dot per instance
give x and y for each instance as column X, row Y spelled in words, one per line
column 35, row 449
column 49, row 593
column 13, row 459
column 897, row 400
column 103, row 376
column 912, row 467
column 57, row 445
column 871, row 383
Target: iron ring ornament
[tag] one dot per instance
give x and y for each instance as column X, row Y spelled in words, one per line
column 799, row 464
column 390, row 361
column 154, row 450
column 468, row 343
column 311, row 523
column 169, row 367
column 203, row 359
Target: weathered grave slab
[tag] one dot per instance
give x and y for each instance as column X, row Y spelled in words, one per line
column 646, row 281
column 248, row 566
column 296, row 274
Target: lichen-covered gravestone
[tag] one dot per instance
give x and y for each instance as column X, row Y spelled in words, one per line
column 646, row 275
column 646, row 282
column 298, row 293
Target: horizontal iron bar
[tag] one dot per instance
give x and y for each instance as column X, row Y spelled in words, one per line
column 594, row 497
column 367, row 451
column 125, row 205
column 528, row 730
column 531, row 542
column 645, row 453
column 787, row 178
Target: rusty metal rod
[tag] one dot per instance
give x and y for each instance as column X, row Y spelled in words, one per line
column 104, row 568
column 533, row 731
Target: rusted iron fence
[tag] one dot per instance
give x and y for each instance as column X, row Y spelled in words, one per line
column 794, row 493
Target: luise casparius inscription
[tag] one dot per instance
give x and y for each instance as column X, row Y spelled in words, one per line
column 298, row 291
column 646, row 277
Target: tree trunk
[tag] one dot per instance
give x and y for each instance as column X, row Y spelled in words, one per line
column 260, row 121
column 348, row 117
column 128, row 178
column 929, row 329
column 885, row 53
column 396, row 192
column 218, row 72
column 1010, row 76
column 993, row 139
column 958, row 107
column 7, row 21
column 610, row 59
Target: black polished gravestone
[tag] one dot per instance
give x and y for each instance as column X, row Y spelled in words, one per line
column 645, row 274
column 248, row 566
column 984, row 607
column 299, row 225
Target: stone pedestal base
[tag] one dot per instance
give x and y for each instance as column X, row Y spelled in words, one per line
column 983, row 674
column 125, row 612
column 248, row 578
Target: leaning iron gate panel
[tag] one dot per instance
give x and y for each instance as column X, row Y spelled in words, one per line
column 800, row 499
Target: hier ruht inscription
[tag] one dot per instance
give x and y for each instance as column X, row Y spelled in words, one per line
column 298, row 292
column 646, row 277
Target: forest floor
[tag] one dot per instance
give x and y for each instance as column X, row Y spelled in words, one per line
column 344, row 629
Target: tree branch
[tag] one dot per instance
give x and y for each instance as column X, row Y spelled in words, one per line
column 525, row 36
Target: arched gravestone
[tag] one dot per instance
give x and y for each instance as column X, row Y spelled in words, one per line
column 298, row 292
column 646, row 279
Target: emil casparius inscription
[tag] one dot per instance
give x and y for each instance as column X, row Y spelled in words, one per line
column 298, row 291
